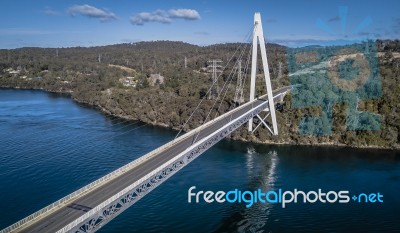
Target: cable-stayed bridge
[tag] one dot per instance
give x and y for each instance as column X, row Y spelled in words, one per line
column 94, row 205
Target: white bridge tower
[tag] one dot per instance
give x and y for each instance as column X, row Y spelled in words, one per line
column 258, row 38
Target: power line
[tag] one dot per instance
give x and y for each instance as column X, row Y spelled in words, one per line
column 280, row 70
column 185, row 62
column 230, row 77
column 214, row 68
column 247, row 68
column 228, row 80
column 239, row 85
column 209, row 90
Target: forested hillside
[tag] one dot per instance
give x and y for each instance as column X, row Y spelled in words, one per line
column 124, row 80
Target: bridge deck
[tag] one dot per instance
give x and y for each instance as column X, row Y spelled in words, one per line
column 67, row 213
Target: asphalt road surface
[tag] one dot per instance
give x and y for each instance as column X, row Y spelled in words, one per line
column 68, row 213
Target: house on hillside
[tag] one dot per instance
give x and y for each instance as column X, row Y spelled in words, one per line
column 128, row 81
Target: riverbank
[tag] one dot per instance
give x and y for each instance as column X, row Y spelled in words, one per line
column 52, row 146
column 123, row 85
column 248, row 138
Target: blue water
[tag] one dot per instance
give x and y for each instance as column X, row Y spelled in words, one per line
column 50, row 146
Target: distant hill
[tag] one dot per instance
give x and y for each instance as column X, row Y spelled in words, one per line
column 152, row 56
column 148, row 81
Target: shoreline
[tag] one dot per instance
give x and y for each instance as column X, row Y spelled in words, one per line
column 105, row 111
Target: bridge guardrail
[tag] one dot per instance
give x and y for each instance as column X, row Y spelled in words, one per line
column 90, row 186
column 97, row 183
column 141, row 180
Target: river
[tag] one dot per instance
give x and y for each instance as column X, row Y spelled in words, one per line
column 50, row 146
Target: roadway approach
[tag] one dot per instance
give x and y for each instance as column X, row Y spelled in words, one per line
column 59, row 217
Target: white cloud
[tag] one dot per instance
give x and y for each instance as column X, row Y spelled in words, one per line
column 92, row 12
column 162, row 16
column 187, row 14
column 156, row 16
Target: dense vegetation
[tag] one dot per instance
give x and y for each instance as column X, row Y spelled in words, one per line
column 93, row 76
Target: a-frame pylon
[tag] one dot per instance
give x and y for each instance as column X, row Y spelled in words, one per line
column 258, row 37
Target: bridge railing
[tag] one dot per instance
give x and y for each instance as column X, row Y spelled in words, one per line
column 97, row 183
column 123, row 192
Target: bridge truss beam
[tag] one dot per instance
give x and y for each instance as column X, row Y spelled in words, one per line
column 108, row 210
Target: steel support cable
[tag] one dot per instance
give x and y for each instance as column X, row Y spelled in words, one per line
column 226, row 91
column 247, row 61
column 122, row 121
column 246, row 69
column 230, row 78
column 209, row 90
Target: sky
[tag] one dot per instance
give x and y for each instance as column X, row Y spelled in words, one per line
column 48, row 23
